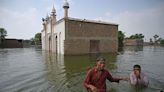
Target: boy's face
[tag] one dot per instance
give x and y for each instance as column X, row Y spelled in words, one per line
column 101, row 65
column 137, row 71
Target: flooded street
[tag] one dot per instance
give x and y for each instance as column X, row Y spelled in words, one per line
column 34, row 70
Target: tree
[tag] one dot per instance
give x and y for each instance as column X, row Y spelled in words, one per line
column 32, row 41
column 3, row 34
column 151, row 41
column 141, row 36
column 155, row 38
column 37, row 38
column 137, row 36
column 121, row 37
column 162, row 42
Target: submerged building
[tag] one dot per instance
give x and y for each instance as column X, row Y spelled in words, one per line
column 11, row 43
column 71, row 36
column 133, row 42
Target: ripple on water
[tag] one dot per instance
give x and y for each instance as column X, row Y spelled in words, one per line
column 23, row 82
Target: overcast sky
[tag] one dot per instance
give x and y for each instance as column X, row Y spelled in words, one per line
column 22, row 18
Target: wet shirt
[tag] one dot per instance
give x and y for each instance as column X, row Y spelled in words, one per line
column 136, row 81
column 98, row 79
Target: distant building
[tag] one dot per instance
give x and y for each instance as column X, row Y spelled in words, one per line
column 11, row 43
column 14, row 43
column 133, row 42
column 72, row 36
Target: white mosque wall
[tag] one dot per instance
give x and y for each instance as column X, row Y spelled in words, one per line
column 43, row 39
column 59, row 32
column 48, row 28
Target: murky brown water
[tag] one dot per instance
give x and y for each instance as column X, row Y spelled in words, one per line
column 33, row 70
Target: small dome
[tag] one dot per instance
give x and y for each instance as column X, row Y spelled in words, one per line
column 47, row 17
column 43, row 19
column 66, row 4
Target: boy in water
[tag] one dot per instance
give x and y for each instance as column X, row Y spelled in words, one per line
column 137, row 77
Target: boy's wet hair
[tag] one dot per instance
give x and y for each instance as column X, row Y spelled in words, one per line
column 100, row 59
column 137, row 66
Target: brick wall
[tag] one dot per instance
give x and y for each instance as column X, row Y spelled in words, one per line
column 79, row 34
column 13, row 43
column 133, row 42
column 88, row 29
column 107, row 46
column 76, row 46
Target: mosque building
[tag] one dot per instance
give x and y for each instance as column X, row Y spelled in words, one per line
column 72, row 36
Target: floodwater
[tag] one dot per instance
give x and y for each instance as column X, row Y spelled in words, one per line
column 34, row 70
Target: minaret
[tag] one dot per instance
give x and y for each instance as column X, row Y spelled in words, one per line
column 66, row 6
column 53, row 21
column 53, row 15
column 47, row 19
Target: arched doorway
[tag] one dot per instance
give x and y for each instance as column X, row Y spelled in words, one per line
column 56, row 47
column 50, row 43
column 60, row 42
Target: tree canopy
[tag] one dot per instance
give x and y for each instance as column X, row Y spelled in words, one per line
column 137, row 36
column 162, row 42
column 37, row 38
column 3, row 33
column 121, row 37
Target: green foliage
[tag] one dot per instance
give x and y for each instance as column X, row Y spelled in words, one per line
column 32, row 41
column 162, row 42
column 137, row 36
column 37, row 39
column 3, row 33
column 121, row 37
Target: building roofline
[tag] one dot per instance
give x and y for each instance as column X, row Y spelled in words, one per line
column 86, row 20
column 92, row 21
column 57, row 22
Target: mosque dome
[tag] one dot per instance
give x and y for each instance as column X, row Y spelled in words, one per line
column 66, row 4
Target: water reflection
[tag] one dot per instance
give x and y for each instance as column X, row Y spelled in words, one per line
column 55, row 71
column 134, row 48
column 20, row 70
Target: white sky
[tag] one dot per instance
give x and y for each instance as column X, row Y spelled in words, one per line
column 22, row 18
